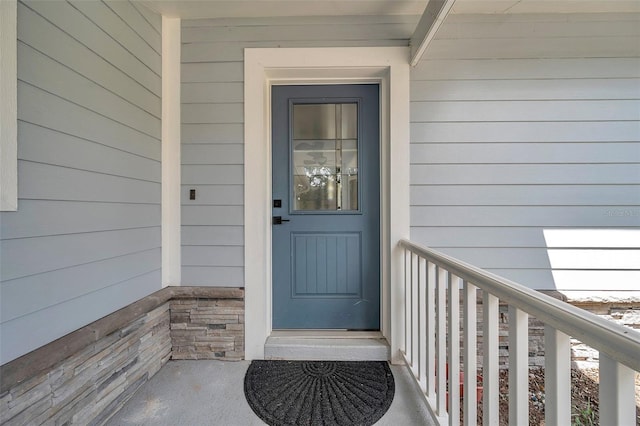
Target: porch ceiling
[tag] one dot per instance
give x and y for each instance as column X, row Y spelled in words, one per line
column 194, row 9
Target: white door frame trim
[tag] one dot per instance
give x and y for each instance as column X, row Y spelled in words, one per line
column 263, row 68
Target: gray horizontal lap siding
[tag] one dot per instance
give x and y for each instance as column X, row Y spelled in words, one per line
column 212, row 124
column 85, row 240
column 524, row 123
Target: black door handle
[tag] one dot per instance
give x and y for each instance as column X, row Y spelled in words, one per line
column 277, row 220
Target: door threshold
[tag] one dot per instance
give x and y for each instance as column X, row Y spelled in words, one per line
column 326, row 334
column 327, row 345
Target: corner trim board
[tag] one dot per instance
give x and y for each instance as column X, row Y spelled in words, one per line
column 8, row 106
column 171, row 239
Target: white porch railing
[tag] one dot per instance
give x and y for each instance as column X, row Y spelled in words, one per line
column 433, row 320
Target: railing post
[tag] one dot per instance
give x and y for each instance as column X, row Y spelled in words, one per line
column 518, row 366
column 490, row 369
column 470, row 330
column 557, row 377
column 616, row 393
column 453, row 350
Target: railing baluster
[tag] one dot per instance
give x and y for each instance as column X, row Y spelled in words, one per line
column 453, row 354
column 422, row 324
column 518, row 366
column 407, row 302
column 441, row 336
column 616, row 392
column 470, row 330
column 414, row 313
column 557, row 377
column 431, row 328
column 490, row 371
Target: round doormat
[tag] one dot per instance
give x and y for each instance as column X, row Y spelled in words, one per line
column 319, row 392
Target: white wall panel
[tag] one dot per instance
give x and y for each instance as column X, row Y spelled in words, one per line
column 210, row 72
column 47, row 217
column 62, row 284
column 213, row 276
column 212, row 133
column 47, row 110
column 152, row 18
column 212, row 92
column 146, row 28
column 122, row 32
column 558, row 47
column 29, row 256
column 212, row 113
column 506, row 216
column 40, row 181
column 73, row 22
column 76, row 56
column 67, row 84
column 526, row 131
column 42, row 145
column 212, row 215
column 525, row 138
column 540, row 89
column 212, row 154
column 562, row 174
column 526, row 153
column 219, row 175
column 85, row 240
column 212, row 117
column 534, row 67
column 479, row 237
column 213, row 235
column 529, row 110
column 212, row 256
column 521, row 195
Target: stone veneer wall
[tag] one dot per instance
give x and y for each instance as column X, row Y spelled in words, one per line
column 208, row 328
column 89, row 386
column 624, row 312
column 85, row 377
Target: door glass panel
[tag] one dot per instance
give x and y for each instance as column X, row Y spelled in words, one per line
column 325, row 157
column 314, row 121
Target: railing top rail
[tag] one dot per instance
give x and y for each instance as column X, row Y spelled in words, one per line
column 620, row 343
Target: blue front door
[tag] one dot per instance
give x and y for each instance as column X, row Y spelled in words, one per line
column 326, row 207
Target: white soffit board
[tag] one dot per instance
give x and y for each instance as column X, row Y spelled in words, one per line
column 203, row 9
column 206, row 9
column 544, row 6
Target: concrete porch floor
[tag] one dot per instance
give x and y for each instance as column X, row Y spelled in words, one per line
column 200, row 393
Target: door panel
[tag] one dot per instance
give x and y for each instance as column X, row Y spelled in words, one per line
column 326, row 244
column 326, row 264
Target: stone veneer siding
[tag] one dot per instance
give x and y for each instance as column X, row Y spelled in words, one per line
column 624, row 312
column 207, row 329
column 91, row 385
column 86, row 376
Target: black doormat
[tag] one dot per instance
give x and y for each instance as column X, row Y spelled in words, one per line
column 319, row 392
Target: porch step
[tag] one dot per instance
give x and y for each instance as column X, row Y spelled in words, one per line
column 326, row 349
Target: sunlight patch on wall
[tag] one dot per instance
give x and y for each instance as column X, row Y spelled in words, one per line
column 594, row 259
